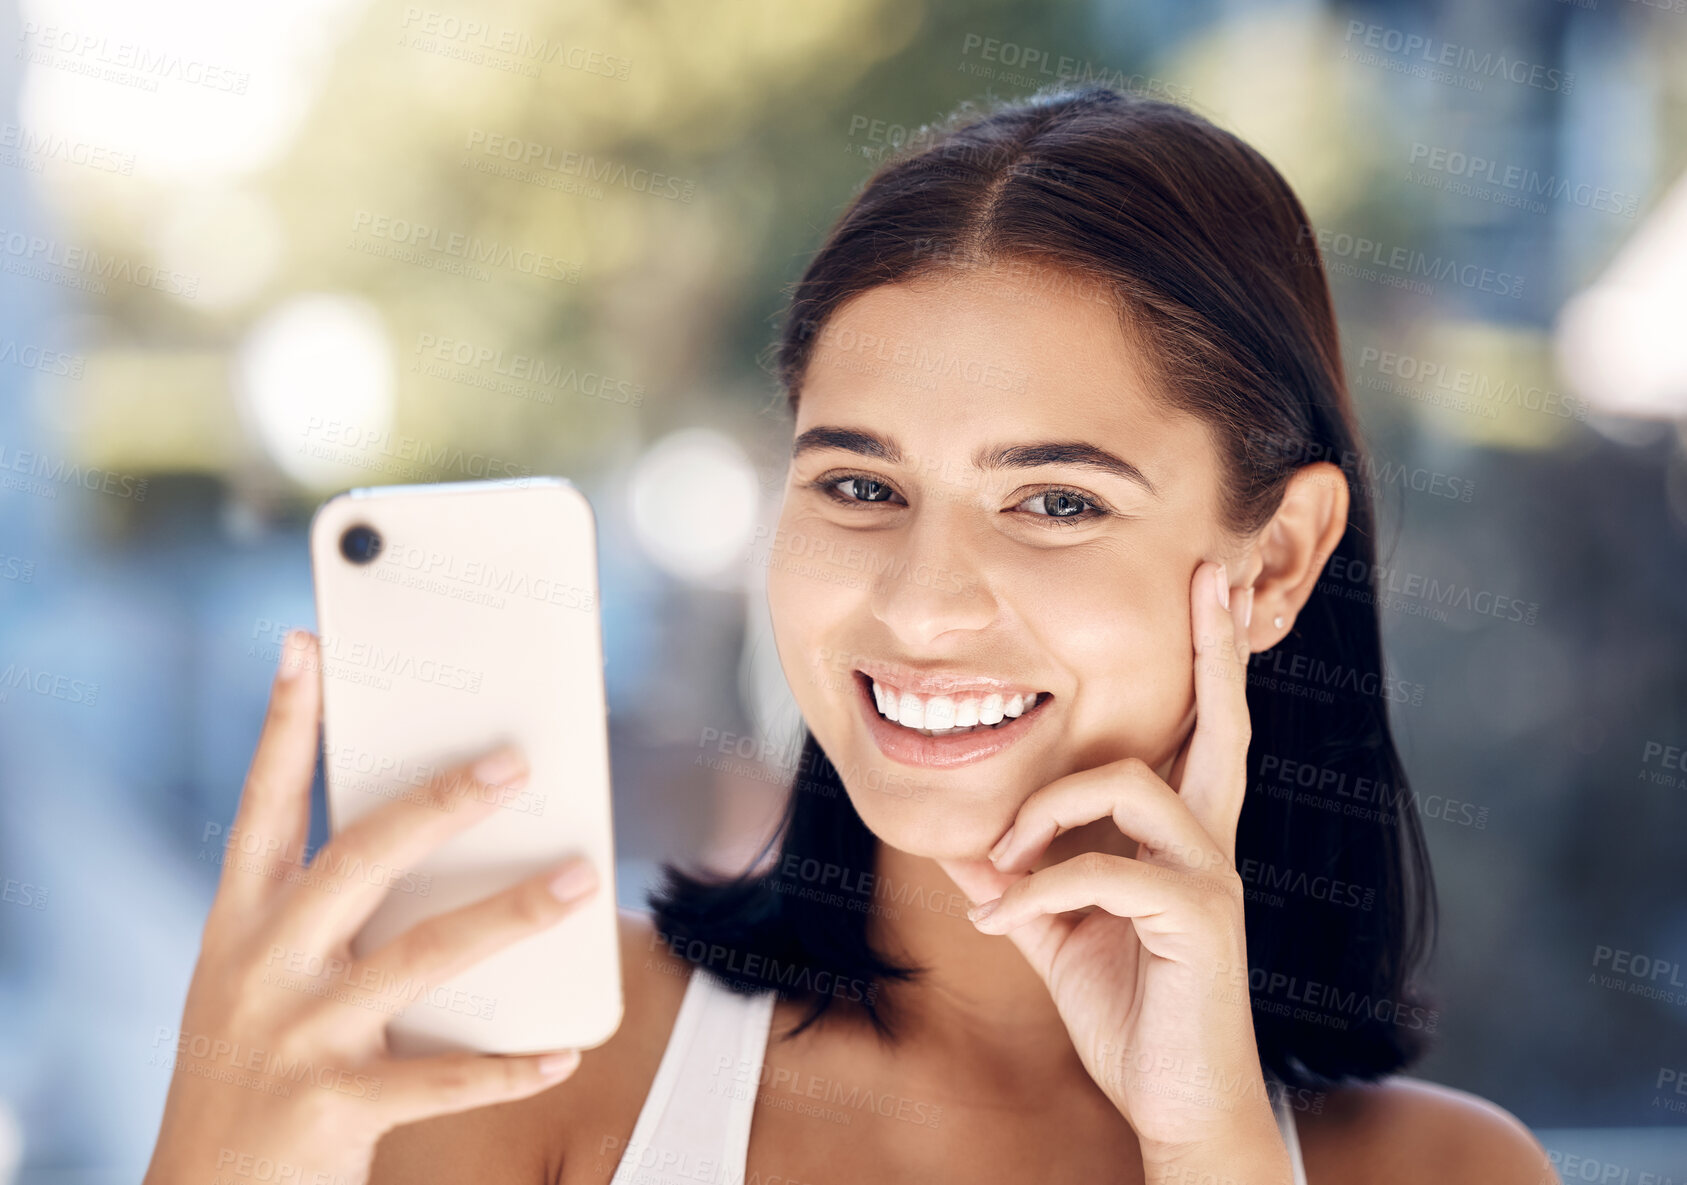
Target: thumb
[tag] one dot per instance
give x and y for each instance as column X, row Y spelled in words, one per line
column 981, row 882
column 977, row 879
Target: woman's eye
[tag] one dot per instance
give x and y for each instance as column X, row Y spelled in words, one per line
column 1052, row 506
column 855, row 488
column 1064, row 505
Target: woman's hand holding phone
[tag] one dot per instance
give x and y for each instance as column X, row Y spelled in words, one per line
column 281, row 1065
column 1146, row 956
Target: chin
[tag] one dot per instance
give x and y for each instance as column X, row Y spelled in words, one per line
column 929, row 823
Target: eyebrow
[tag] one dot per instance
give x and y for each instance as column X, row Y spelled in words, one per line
column 987, row 458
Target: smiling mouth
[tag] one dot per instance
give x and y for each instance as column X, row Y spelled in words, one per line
column 949, row 715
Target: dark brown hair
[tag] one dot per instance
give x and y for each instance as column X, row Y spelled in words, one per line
column 1207, row 256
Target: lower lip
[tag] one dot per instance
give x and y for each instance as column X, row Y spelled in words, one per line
column 946, row 752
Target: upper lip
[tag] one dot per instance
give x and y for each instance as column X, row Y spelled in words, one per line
column 939, row 682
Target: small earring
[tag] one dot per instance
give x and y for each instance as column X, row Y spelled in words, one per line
column 1277, row 622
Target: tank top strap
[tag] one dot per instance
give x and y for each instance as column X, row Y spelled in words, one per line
column 695, row 1123
column 1285, row 1113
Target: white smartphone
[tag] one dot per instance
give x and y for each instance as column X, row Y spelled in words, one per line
column 452, row 618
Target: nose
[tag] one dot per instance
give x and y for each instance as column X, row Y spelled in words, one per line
column 929, row 577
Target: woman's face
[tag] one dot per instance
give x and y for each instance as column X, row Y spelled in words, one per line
column 1052, row 572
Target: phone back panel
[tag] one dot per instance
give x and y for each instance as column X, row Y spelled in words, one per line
column 476, row 623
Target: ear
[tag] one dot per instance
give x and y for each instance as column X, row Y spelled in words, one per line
column 1292, row 549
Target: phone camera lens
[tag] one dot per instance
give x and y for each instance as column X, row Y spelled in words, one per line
column 360, row 544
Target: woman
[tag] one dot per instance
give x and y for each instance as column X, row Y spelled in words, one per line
column 1070, row 886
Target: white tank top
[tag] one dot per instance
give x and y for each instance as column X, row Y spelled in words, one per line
column 694, row 1128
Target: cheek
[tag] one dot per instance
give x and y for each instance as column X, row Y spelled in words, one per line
column 811, row 591
column 1121, row 627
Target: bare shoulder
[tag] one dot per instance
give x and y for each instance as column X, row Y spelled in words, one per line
column 1404, row 1131
column 574, row 1131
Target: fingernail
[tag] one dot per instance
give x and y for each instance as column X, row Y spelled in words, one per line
column 289, row 667
column 979, row 912
column 1002, row 845
column 499, row 768
column 574, row 881
column 1223, row 579
column 1248, row 608
column 553, row 1065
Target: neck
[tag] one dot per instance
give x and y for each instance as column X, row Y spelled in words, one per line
column 978, row 1002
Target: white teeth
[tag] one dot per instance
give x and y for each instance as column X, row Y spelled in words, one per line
column 940, row 712
column 940, row 715
column 911, row 713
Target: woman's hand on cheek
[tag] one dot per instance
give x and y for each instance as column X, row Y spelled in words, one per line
column 1146, row 957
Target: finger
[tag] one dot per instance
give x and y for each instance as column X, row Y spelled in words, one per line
column 418, row 1088
column 1168, row 906
column 1215, row 772
column 978, row 879
column 272, row 821
column 1038, row 939
column 337, row 895
column 435, row 950
column 1137, row 799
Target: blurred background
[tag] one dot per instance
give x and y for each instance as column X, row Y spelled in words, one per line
column 254, row 255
